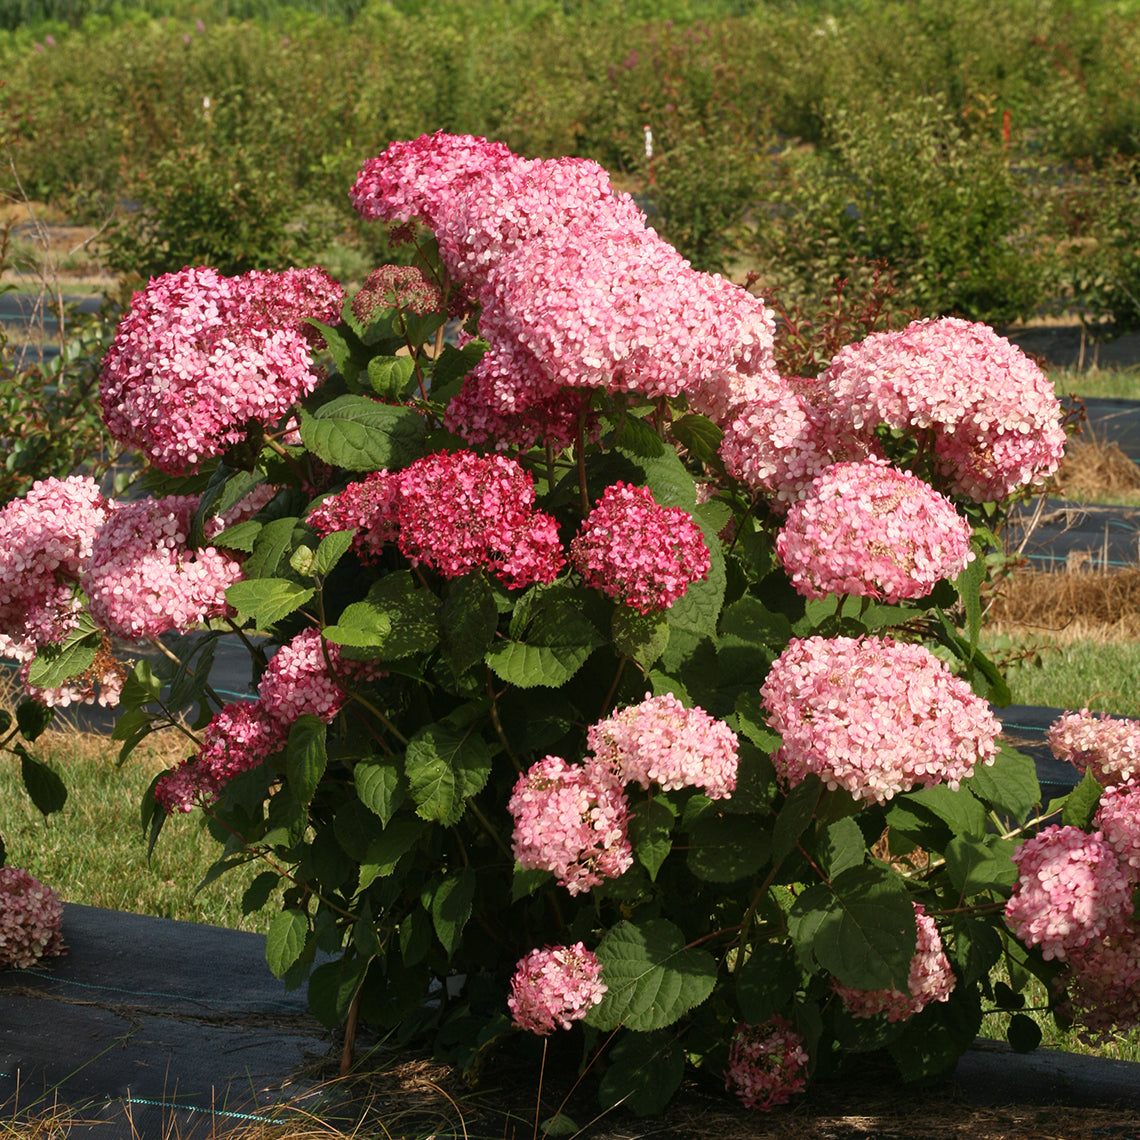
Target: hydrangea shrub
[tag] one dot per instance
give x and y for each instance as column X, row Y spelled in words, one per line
column 607, row 681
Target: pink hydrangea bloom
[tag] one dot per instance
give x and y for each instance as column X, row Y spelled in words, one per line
column 1118, row 819
column 930, row 979
column 1109, row 747
column 555, row 986
column 1070, row 892
column 661, row 742
column 240, row 737
column 874, row 716
column 199, row 356
column 571, row 820
column 643, row 555
column 766, row 1064
column 992, row 413
column 297, row 679
column 143, row 579
column 369, row 507
column 783, row 437
column 31, row 920
column 872, row 530
column 1103, row 981
column 46, row 540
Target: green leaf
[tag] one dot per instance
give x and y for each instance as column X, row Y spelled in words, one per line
column 526, row 880
column 860, row 927
column 243, row 536
column 842, row 846
column 392, row 377
column 342, row 346
column 332, row 986
column 451, row 908
column 225, row 489
column 445, row 765
column 398, row 619
column 384, row 853
column 976, row 866
column 968, row 584
column 651, row 832
column 43, row 785
column 931, row 1042
column 641, row 637
column 54, row 664
column 1023, row 1034
column 379, row 787
column 727, row 848
column 960, row 810
column 267, row 600
column 285, row 940
column 360, row 434
column 750, row 620
column 794, row 817
column 644, row 1070
column 1081, row 803
column 652, row 978
column 560, row 1125
column 452, row 365
column 256, row 895
column 332, row 549
column 697, row 610
column 767, row 982
column 415, row 937
column 700, row 437
column 554, row 644
column 305, row 756
column 638, row 437
column 468, row 622
column 141, row 687
column 274, row 542
column 1009, row 785
column 32, row 717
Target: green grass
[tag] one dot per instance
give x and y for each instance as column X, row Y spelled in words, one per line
column 1098, row 383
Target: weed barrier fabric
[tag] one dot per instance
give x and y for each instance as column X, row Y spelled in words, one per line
column 1065, row 536
column 147, row 1022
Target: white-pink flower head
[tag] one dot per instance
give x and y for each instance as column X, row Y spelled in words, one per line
column 874, row 716
column 1109, row 747
column 555, row 986
column 641, row 554
column 143, row 579
column 1118, row 819
column 571, row 820
column 766, row 1064
column 930, row 979
column 31, row 920
column 200, row 356
column 1070, row 892
column 992, row 413
column 661, row 742
column 872, row 530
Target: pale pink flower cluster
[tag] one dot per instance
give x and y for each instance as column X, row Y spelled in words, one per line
column 930, row 979
column 1118, row 819
column 297, row 681
column 31, row 920
column 199, row 356
column 1103, row 980
column 872, row 530
column 991, row 413
column 766, row 1064
column 641, row 554
column 1107, row 746
column 455, row 512
column 1070, row 892
column 553, row 987
column 571, row 820
column 45, row 543
column 143, row 579
column 874, row 716
column 661, row 742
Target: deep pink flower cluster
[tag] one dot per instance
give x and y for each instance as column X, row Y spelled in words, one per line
column 571, row 820
column 766, row 1064
column 930, row 979
column 992, row 414
column 555, row 986
column 872, row 530
column 31, row 920
column 643, row 555
column 199, row 356
column 143, row 580
column 45, row 543
column 661, row 742
column 455, row 512
column 874, row 716
column 298, row 680
column 1107, row 746
column 1070, row 893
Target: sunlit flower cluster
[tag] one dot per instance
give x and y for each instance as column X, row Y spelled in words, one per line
column 766, row 1064
column 641, row 554
column 555, row 986
column 1118, row 819
column 31, row 920
column 872, row 530
column 571, row 820
column 661, row 742
column 874, row 716
column 930, row 979
column 1107, row 746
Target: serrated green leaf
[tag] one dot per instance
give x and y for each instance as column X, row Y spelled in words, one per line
column 445, row 765
column 451, row 908
column 379, row 787
column 267, row 600
column 651, row 832
column 385, row 852
column 360, row 434
column 468, row 622
column 398, row 619
column 242, row 536
column 931, row 1042
column 526, row 880
column 332, row 986
column 55, row 664
column 975, row 866
column 1081, row 803
column 452, row 365
column 750, row 620
column 793, row 818
column 643, row 1072
column 392, row 377
column 640, row 637
column 560, row 1125
column 332, row 549
column 1009, row 785
column 285, row 940
column 653, row 978
column 141, row 687
column 960, row 810
column 415, row 937
column 638, row 437
column 32, row 718
column 726, row 848
column 842, row 846
column 305, row 756
column 552, row 640
column 274, row 543
column 968, row 585
column 343, row 347
column 700, row 437
column 697, row 610
column 256, row 895
column 44, row 786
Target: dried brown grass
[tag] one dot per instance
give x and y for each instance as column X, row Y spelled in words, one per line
column 1095, row 470
column 1097, row 605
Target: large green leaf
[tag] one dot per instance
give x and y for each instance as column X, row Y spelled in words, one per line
column 446, row 764
column 842, row 846
column 727, row 848
column 398, row 619
column 976, row 865
column 555, row 640
column 44, row 786
column 468, row 622
column 643, row 1071
column 641, row 637
column 267, row 600
column 860, row 927
column 960, row 810
column 697, row 610
column 1082, row 802
column 360, row 434
column 385, row 852
column 651, row 832
column 305, row 756
column 451, row 908
column 55, row 664
column 767, row 982
column 1009, row 785
column 332, row 986
column 273, row 545
column 32, row 718
column 379, row 786
column 793, row 819
column 285, row 940
column 653, row 978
